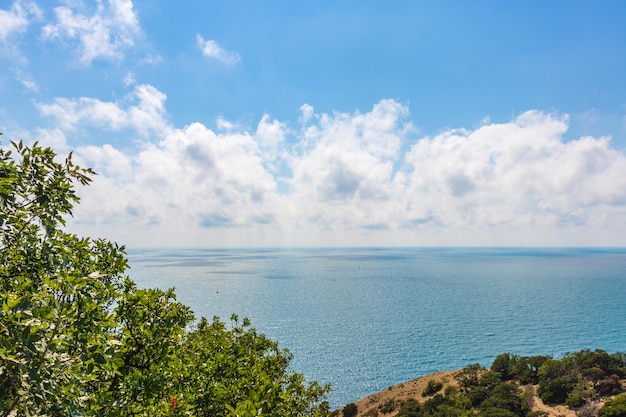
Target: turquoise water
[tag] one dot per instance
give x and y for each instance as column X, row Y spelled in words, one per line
column 365, row 319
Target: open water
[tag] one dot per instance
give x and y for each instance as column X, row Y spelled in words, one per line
column 365, row 319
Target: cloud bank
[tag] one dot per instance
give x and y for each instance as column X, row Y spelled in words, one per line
column 360, row 178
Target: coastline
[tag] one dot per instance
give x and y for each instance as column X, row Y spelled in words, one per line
column 386, row 403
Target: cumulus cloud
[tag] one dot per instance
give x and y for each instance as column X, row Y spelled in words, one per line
column 211, row 49
column 515, row 173
column 143, row 110
column 104, row 34
column 191, row 180
column 345, row 176
column 349, row 178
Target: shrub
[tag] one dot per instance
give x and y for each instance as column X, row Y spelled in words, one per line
column 410, row 408
column 579, row 395
column 350, row 410
column 555, row 391
column 615, row 407
column 496, row 412
column 609, row 386
column 432, row 387
column 505, row 396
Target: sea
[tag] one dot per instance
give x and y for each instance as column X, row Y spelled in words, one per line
column 363, row 319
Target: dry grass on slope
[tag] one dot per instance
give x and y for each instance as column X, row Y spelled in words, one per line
column 386, row 403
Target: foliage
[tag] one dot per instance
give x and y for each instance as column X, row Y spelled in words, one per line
column 504, row 396
column 576, row 380
column 503, row 389
column 615, row 407
column 410, row 408
column 448, row 405
column 522, row 368
column 580, row 376
column 350, row 410
column 77, row 337
column 432, row 387
column 502, row 364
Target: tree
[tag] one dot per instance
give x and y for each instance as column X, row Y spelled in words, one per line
column 57, row 290
column 503, row 364
column 77, row 337
column 505, row 396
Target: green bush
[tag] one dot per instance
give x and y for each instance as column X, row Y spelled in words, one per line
column 432, row 388
column 579, row 395
column 410, row 408
column 615, row 407
column 505, row 396
column 350, row 410
column 554, row 391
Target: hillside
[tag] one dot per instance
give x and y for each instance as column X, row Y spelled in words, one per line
column 391, row 398
column 586, row 384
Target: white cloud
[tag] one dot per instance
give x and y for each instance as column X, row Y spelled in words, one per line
column 211, row 49
column 27, row 81
column 16, row 18
column 355, row 178
column 516, row 173
column 55, row 138
column 270, row 134
column 129, row 79
column 307, row 112
column 223, row 124
column 146, row 113
column 14, row 21
column 193, row 180
column 106, row 34
column 345, row 175
column 106, row 160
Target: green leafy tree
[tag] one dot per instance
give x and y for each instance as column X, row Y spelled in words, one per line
column 57, row 290
column 503, row 364
column 525, row 369
column 505, row 396
column 78, row 338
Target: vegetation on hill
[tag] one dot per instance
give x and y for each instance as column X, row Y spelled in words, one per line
column 78, row 338
column 589, row 382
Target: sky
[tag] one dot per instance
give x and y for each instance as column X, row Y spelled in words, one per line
column 325, row 123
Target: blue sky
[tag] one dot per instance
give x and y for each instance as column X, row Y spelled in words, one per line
column 284, row 123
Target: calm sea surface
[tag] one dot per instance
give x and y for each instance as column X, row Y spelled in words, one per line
column 365, row 319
